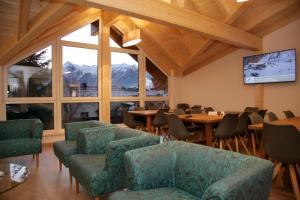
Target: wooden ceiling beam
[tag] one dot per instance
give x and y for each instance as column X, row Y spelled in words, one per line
column 171, row 15
column 235, row 13
column 51, row 14
column 70, row 23
column 24, row 11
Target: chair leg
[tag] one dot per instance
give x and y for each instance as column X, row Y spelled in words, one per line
column 60, row 165
column 276, row 169
column 70, row 177
column 228, row 145
column 37, row 157
column 221, row 144
column 236, row 144
column 244, row 145
column 298, row 169
column 279, row 179
column 77, row 185
column 156, row 130
column 253, row 144
column 97, row 198
column 294, row 181
column 33, row 156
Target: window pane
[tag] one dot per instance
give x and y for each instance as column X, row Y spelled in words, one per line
column 154, row 105
column 156, row 80
column 124, row 74
column 87, row 34
column 75, row 112
column 44, row 112
column 80, row 72
column 116, row 110
column 32, row 76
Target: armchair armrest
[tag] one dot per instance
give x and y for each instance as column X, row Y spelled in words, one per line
column 255, row 178
column 115, row 163
column 94, row 140
column 37, row 129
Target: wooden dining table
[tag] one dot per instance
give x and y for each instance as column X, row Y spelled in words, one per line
column 147, row 114
column 295, row 121
column 206, row 120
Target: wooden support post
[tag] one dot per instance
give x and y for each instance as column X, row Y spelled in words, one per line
column 106, row 71
column 294, row 181
column 171, row 91
column 2, row 110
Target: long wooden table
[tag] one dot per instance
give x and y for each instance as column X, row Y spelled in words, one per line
column 145, row 113
column 206, row 120
column 295, row 121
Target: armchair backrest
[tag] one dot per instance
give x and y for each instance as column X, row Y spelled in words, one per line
column 122, row 133
column 72, row 128
column 21, row 128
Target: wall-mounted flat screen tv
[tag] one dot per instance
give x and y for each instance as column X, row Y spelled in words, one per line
column 274, row 67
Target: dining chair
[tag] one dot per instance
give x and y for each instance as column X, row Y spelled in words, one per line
column 272, row 116
column 160, row 120
column 251, row 109
column 289, row 114
column 241, row 132
column 225, row 131
column 208, row 109
column 255, row 118
column 282, row 144
column 262, row 112
column 183, row 106
column 177, row 129
column 180, row 111
column 196, row 109
column 129, row 120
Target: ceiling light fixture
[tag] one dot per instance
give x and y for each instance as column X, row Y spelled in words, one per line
column 132, row 38
column 241, row 1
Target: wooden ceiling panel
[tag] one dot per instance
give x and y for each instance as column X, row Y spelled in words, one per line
column 9, row 17
column 208, row 8
column 36, row 7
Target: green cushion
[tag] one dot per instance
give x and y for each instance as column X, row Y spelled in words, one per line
column 154, row 194
column 89, row 169
column 63, row 150
column 21, row 146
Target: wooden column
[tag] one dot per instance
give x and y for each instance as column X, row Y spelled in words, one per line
column 106, row 71
column 259, row 96
column 2, row 110
column 171, row 90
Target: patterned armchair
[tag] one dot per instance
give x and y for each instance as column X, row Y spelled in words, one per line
column 21, row 137
column 179, row 170
column 99, row 166
column 65, row 149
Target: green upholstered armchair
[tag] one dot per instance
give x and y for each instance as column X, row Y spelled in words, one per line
column 179, row 170
column 99, row 166
column 21, row 137
column 64, row 149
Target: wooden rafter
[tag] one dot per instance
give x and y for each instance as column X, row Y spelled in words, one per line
column 235, row 13
column 24, row 11
column 175, row 16
column 51, row 14
column 70, row 23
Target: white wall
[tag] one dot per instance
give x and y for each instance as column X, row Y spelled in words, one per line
column 220, row 84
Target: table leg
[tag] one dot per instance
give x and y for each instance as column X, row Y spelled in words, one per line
column 208, row 133
column 149, row 123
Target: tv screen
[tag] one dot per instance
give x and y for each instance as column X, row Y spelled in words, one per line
column 279, row 66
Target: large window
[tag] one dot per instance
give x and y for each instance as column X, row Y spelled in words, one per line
column 116, row 110
column 75, row 112
column 124, row 74
column 32, row 76
column 44, row 112
column 156, row 80
column 80, row 72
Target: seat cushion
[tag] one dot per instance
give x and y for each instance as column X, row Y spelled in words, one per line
column 89, row 171
column 21, row 146
column 153, row 194
column 64, row 150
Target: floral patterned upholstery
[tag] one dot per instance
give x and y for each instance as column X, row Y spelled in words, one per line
column 95, row 175
column 20, row 137
column 64, row 149
column 200, row 171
